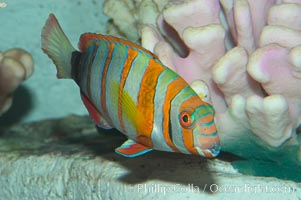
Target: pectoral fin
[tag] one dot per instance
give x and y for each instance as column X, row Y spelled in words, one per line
column 94, row 113
column 129, row 108
column 132, row 149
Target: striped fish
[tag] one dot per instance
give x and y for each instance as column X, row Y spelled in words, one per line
column 126, row 87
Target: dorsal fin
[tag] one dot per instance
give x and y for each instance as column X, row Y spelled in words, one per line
column 86, row 39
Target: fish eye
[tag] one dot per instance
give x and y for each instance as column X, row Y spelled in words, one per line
column 186, row 120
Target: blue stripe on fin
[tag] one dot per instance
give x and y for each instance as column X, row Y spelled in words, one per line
column 132, row 149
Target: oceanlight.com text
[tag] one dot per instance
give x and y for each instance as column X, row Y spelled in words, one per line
column 211, row 188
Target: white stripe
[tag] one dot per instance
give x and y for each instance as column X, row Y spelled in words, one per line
column 119, row 56
column 132, row 87
column 175, row 111
column 96, row 74
column 84, row 69
column 158, row 139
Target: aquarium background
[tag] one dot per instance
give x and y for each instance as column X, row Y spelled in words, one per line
column 68, row 158
column 43, row 96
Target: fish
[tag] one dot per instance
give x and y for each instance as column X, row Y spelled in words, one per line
column 127, row 87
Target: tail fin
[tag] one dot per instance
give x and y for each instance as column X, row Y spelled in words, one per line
column 57, row 46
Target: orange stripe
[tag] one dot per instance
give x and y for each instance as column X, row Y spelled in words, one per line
column 104, row 83
column 192, row 103
column 208, row 129
column 207, row 119
column 146, row 101
column 86, row 38
column 89, row 70
column 188, row 140
column 207, row 141
column 172, row 90
column 126, row 69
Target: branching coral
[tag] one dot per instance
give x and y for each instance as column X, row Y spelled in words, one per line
column 249, row 54
column 129, row 15
column 16, row 65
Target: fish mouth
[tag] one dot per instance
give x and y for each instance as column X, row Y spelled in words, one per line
column 211, row 152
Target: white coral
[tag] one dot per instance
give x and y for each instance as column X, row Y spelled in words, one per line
column 16, row 65
column 249, row 54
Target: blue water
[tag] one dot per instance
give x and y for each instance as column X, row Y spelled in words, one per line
column 43, row 96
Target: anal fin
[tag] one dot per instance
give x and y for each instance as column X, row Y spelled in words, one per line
column 132, row 149
column 94, row 113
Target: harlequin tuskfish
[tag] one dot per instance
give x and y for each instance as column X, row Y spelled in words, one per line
column 126, row 87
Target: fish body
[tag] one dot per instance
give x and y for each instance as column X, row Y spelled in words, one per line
column 126, row 87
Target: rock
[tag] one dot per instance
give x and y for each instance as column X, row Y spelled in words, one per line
column 67, row 159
